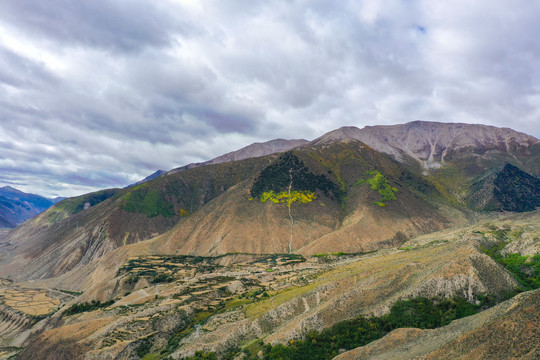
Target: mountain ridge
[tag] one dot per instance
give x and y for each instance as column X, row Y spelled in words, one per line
column 428, row 143
column 17, row 206
column 256, row 149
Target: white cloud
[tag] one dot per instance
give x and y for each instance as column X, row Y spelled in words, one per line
column 102, row 94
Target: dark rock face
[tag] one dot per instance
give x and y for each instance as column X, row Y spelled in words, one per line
column 515, row 190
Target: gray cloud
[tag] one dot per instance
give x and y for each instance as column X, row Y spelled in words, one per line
column 101, row 93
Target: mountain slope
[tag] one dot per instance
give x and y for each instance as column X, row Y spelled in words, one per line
column 16, row 206
column 507, row 188
column 245, row 220
column 80, row 229
column 224, row 295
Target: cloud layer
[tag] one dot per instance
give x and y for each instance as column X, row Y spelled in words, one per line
column 99, row 93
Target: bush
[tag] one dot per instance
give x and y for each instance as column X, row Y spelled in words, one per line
column 84, row 307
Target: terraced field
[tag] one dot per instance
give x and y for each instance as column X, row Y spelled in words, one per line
column 29, row 301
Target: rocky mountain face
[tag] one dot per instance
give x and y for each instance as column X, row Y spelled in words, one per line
column 16, row 206
column 262, row 250
column 433, row 144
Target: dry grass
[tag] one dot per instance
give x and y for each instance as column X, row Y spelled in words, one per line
column 31, row 302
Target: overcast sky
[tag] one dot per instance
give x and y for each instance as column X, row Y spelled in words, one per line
column 97, row 94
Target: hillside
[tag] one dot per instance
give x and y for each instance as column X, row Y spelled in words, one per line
column 16, row 206
column 506, row 331
column 246, row 299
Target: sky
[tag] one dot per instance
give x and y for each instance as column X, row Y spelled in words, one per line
column 99, row 94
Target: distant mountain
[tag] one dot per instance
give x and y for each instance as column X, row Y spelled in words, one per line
column 152, row 176
column 57, row 199
column 251, row 151
column 16, row 206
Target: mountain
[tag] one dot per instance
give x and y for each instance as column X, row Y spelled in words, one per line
column 433, row 144
column 152, row 176
column 251, row 151
column 263, row 250
column 17, row 206
column 347, row 196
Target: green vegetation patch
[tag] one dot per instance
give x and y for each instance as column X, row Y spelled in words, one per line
column 379, row 183
column 77, row 204
column 289, row 172
column 87, row 306
column 526, row 269
column 147, row 201
column 418, row 313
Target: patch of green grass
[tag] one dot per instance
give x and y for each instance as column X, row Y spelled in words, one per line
column 237, row 302
column 77, row 204
column 147, row 201
column 379, row 183
column 153, row 356
column 526, row 269
column 360, row 182
column 331, row 254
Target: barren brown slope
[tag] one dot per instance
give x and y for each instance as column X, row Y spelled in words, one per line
column 509, row 330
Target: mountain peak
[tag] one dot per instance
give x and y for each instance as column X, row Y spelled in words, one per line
column 430, row 143
column 11, row 189
column 254, row 150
